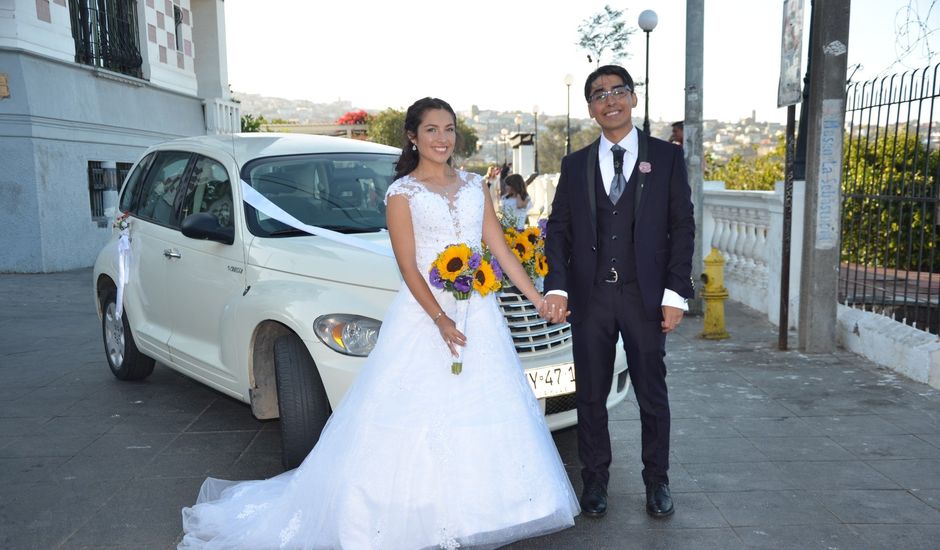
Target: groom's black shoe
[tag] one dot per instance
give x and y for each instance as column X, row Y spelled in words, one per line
column 594, row 500
column 659, row 500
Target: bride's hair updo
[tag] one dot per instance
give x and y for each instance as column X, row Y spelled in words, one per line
column 408, row 160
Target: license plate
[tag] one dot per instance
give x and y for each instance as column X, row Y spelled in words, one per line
column 551, row 381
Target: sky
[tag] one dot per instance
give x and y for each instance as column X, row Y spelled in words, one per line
column 513, row 55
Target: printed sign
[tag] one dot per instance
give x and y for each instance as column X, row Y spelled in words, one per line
column 829, row 176
column 791, row 53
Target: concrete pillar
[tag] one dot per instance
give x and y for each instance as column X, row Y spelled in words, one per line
column 209, row 44
column 692, row 142
column 819, row 276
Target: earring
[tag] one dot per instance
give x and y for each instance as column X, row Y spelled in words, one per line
column 414, row 147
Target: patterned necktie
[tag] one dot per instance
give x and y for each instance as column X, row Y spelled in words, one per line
column 620, row 181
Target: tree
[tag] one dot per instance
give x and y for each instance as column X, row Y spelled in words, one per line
column 552, row 142
column 887, row 188
column 469, row 139
column 605, row 31
column 251, row 123
column 388, row 127
column 759, row 173
column 354, row 117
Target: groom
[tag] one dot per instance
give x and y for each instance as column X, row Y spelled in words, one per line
column 619, row 244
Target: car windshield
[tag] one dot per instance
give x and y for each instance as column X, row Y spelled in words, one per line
column 343, row 192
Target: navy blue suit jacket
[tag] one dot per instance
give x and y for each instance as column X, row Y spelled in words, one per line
column 664, row 227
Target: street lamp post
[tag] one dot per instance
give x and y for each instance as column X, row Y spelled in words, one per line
column 568, row 81
column 647, row 22
column 518, row 121
column 535, row 139
column 504, row 134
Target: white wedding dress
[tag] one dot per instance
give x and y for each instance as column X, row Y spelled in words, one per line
column 414, row 456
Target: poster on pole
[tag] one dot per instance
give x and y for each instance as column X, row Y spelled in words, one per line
column 791, row 53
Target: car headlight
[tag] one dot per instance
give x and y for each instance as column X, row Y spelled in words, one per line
column 348, row 334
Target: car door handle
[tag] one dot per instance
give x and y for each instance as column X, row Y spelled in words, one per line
column 170, row 253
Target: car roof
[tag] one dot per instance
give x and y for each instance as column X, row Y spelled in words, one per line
column 244, row 147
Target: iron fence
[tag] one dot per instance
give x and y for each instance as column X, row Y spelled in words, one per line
column 891, row 198
column 106, row 35
column 100, row 181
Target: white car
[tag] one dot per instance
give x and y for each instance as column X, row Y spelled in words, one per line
column 232, row 296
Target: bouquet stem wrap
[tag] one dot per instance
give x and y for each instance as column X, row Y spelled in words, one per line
column 460, row 319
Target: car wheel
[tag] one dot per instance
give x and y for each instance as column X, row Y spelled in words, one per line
column 301, row 399
column 125, row 360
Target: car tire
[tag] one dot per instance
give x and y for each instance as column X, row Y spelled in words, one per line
column 301, row 399
column 125, row 360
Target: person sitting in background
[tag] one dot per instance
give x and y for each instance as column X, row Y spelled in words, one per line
column 492, row 183
column 515, row 202
column 678, row 132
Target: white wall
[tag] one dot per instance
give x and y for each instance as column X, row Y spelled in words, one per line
column 20, row 28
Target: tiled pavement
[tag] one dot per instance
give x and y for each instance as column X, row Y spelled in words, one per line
column 770, row 449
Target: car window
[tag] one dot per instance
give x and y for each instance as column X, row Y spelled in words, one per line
column 128, row 198
column 209, row 190
column 158, row 195
column 344, row 192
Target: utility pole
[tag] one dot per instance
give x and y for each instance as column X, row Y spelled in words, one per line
column 819, row 274
column 692, row 139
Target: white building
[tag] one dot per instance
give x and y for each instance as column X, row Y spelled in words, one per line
column 85, row 87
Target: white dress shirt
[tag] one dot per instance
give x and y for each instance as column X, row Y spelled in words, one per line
column 605, row 159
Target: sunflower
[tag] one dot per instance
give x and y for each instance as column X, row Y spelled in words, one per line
column 510, row 239
column 532, row 234
column 453, row 261
column 484, row 280
column 523, row 250
column 541, row 265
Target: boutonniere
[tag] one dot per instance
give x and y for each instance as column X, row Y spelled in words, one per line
column 646, row 167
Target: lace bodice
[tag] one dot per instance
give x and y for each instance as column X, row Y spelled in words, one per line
column 440, row 218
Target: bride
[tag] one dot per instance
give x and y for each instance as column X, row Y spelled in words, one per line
column 414, row 456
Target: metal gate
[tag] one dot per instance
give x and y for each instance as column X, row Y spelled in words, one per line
column 891, row 198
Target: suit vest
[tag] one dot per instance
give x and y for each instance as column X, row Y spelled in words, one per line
column 615, row 225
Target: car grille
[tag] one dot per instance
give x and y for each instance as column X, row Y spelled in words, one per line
column 530, row 333
column 560, row 403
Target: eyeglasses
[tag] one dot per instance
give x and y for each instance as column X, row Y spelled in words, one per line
column 616, row 91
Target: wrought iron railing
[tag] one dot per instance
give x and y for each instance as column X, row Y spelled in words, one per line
column 100, row 181
column 891, row 198
column 106, row 35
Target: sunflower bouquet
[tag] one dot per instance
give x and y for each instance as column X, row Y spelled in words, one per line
column 528, row 245
column 460, row 270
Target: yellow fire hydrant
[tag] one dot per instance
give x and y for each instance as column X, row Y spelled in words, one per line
column 714, row 294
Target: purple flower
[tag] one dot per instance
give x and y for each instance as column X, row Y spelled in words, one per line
column 543, row 224
column 435, row 278
column 497, row 270
column 463, row 283
column 474, row 261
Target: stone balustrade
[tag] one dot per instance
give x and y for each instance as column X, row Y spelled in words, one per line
column 737, row 223
column 222, row 117
column 747, row 228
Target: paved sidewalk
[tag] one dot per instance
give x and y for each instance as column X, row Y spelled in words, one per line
column 770, row 449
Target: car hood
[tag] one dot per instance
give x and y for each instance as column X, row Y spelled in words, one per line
column 317, row 257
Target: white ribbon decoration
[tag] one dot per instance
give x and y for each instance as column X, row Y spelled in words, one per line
column 261, row 203
column 266, row 207
column 124, row 256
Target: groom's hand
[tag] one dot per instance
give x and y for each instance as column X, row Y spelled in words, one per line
column 554, row 309
column 672, row 316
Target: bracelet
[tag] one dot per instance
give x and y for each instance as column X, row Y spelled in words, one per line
column 438, row 316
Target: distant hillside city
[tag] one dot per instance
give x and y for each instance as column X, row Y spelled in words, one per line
column 747, row 137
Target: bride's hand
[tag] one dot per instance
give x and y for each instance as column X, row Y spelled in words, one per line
column 452, row 337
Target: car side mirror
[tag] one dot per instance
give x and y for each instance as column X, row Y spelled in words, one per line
column 205, row 226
